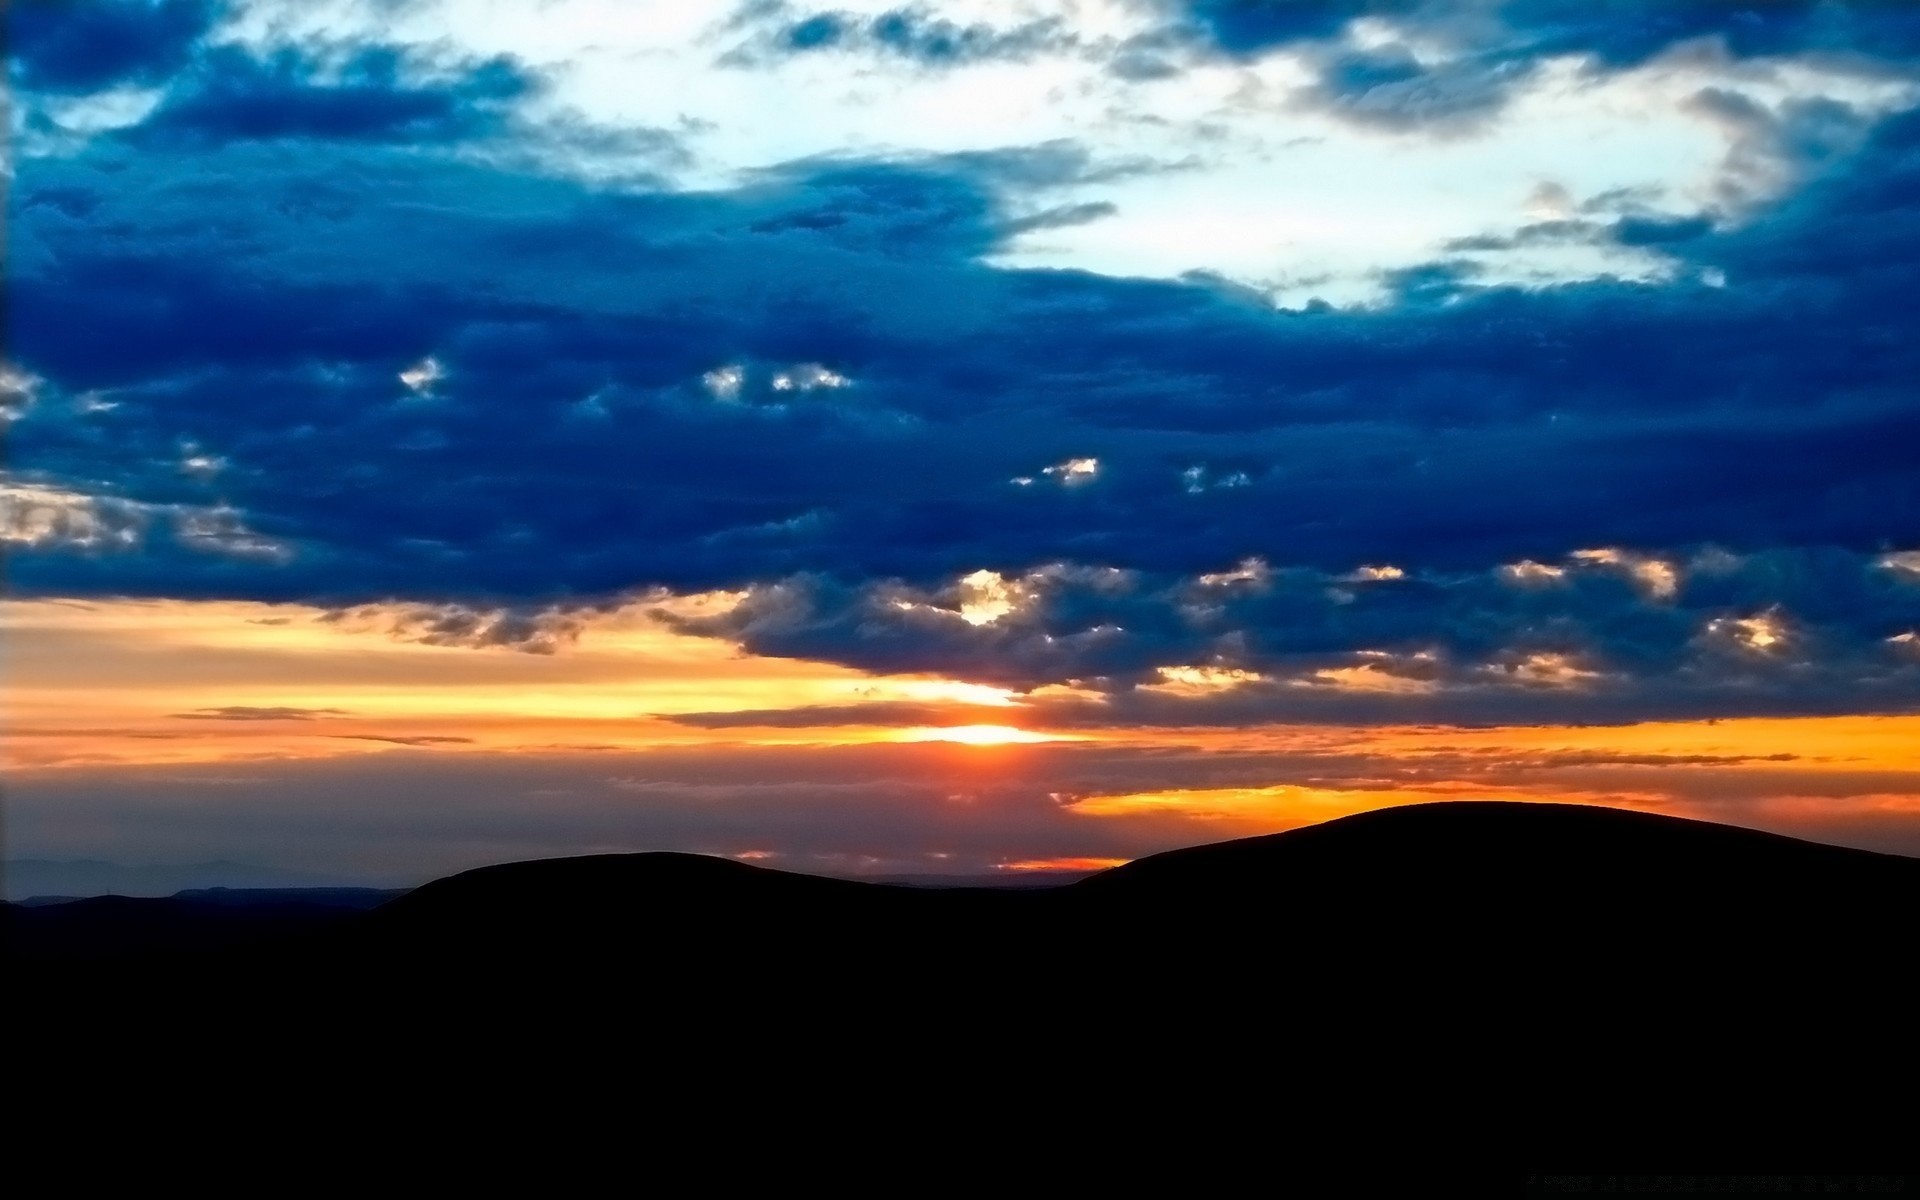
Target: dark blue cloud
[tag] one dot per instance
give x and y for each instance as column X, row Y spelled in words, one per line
column 1490, row 47
column 1627, row 32
column 233, row 96
column 818, row 32
column 812, row 384
column 1384, row 441
column 1660, row 231
column 219, row 93
column 66, row 47
column 1618, row 33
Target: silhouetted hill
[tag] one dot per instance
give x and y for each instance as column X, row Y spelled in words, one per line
column 1533, row 881
column 1480, row 844
column 1451, row 972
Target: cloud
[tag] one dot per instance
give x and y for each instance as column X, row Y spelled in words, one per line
column 165, row 82
column 1244, row 27
column 1604, row 636
column 1615, row 35
column 531, row 630
column 1771, row 149
column 249, row 712
column 60, row 47
column 1061, row 217
column 911, row 34
column 1393, row 437
column 1628, row 34
column 606, row 416
column 368, row 97
column 1388, row 88
column 35, row 516
column 1629, row 230
column 403, row 739
column 883, row 713
column 1420, row 66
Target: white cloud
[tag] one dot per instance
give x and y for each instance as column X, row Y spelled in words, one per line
column 1762, row 632
column 200, row 465
column 1251, row 571
column 807, row 377
column 44, row 517
column 1658, row 577
column 1202, row 680
column 33, row 516
column 1074, row 471
column 1905, row 562
column 724, row 383
column 1375, row 574
column 1528, row 573
column 421, row 376
column 224, row 530
column 18, row 391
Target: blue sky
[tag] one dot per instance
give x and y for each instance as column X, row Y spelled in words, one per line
column 1166, row 364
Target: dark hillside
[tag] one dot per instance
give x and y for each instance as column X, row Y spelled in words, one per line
column 1463, row 974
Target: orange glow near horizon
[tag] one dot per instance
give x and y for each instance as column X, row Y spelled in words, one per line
column 981, row 735
column 109, row 684
column 1286, row 806
column 148, row 681
column 1027, row 865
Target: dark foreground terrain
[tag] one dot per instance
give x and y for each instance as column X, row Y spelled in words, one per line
column 1506, row 983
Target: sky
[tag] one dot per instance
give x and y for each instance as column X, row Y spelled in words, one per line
column 951, row 438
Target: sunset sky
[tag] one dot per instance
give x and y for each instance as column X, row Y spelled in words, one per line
column 953, row 438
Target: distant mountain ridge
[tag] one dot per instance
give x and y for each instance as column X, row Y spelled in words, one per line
column 29, row 877
column 44, row 880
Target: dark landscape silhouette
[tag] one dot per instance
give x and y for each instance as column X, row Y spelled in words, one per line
column 1461, row 971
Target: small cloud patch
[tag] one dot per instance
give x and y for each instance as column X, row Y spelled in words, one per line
column 251, row 712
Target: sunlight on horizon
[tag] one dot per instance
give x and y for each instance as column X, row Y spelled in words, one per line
column 981, row 735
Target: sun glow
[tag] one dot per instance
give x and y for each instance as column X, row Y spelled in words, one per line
column 948, row 691
column 1028, row 865
column 979, row 735
column 986, row 598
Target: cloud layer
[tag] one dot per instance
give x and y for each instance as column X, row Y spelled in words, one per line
column 373, row 323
